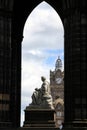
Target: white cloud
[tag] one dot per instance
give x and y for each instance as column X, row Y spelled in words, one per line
column 44, row 27
column 35, row 52
column 43, row 32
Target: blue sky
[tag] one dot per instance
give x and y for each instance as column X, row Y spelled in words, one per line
column 42, row 44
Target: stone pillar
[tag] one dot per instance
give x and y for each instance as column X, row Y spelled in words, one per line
column 16, row 80
column 5, row 62
column 75, row 25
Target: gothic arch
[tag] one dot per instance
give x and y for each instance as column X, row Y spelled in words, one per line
column 20, row 15
column 74, row 17
column 13, row 14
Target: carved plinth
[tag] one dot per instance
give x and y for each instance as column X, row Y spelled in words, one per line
column 39, row 118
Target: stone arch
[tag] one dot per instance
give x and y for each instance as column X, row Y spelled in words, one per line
column 13, row 14
column 27, row 20
column 74, row 17
column 19, row 18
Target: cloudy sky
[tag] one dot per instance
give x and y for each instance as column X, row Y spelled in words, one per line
column 42, row 44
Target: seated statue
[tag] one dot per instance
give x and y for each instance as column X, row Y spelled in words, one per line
column 41, row 98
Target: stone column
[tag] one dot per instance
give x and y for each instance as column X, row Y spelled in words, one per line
column 75, row 25
column 5, row 62
column 16, row 80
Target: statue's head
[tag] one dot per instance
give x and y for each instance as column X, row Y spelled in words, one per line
column 43, row 78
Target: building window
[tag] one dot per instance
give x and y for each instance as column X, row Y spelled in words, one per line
column 59, row 114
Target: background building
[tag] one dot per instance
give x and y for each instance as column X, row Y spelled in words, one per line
column 57, row 91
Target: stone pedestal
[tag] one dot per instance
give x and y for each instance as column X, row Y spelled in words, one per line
column 39, row 118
